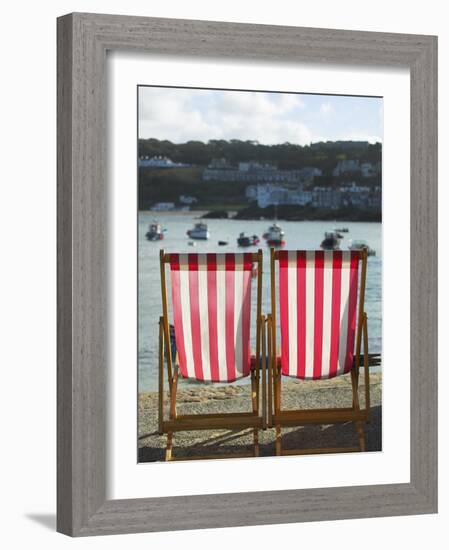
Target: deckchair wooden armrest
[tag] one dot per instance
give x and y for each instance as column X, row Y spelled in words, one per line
column 374, row 360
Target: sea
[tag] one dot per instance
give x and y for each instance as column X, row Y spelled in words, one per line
column 305, row 235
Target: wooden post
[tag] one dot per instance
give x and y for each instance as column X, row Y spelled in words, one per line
column 259, row 305
column 255, row 406
column 270, row 374
column 366, row 367
column 161, row 377
column 364, row 257
column 165, row 315
column 264, row 374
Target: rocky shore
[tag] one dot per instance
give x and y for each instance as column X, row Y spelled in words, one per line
column 197, row 399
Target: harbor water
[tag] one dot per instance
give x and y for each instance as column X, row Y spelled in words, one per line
column 306, row 235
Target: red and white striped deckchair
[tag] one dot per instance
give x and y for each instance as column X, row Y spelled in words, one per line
column 318, row 295
column 211, row 306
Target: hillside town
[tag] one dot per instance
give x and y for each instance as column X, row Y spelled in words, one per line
column 265, row 185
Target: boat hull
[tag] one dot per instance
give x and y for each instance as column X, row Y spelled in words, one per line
column 154, row 236
column 246, row 242
column 199, row 236
column 275, row 242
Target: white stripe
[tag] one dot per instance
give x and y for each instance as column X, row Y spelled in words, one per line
column 221, row 317
column 310, row 312
column 292, row 314
column 185, row 310
column 327, row 313
column 238, row 313
column 344, row 303
column 204, row 315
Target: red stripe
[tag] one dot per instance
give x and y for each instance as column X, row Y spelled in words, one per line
column 335, row 315
column 192, row 260
column 230, row 262
column 352, row 309
column 212, row 315
column 177, row 313
column 246, row 319
column 318, row 314
column 174, row 262
column 247, row 261
column 195, row 316
column 301, row 313
column 229, row 316
column 283, row 310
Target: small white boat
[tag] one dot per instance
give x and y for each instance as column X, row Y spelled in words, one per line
column 199, row 231
column 359, row 244
column 274, row 235
column 155, row 232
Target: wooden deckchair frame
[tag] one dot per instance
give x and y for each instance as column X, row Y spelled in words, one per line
column 256, row 419
column 300, row 417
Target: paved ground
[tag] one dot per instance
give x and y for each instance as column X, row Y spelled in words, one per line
column 308, row 394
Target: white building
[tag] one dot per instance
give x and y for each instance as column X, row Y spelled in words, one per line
column 160, row 162
column 326, row 197
column 369, row 170
column 163, row 206
column 355, row 195
column 300, row 197
column 346, row 167
column 252, row 165
column 187, row 199
column 269, row 194
column 251, row 192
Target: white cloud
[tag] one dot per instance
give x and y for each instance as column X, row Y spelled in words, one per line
column 326, row 108
column 181, row 115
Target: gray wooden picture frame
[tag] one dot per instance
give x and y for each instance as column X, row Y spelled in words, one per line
column 83, row 40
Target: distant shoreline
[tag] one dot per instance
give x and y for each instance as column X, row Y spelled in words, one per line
column 321, row 216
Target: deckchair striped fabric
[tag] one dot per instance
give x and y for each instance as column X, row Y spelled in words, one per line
column 318, row 299
column 211, row 296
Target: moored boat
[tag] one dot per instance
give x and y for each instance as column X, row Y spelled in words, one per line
column 338, row 233
column 155, row 232
column 274, row 235
column 359, row 244
column 199, row 231
column 245, row 241
column 331, row 241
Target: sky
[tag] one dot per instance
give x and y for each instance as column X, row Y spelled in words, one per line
column 180, row 115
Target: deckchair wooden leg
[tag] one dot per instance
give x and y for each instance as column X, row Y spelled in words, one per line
column 169, row 448
column 270, row 376
column 174, row 387
column 277, row 406
column 278, row 388
column 355, row 390
column 356, row 405
column 161, row 378
column 256, row 442
column 255, row 404
column 361, row 435
column 278, row 440
column 366, row 369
